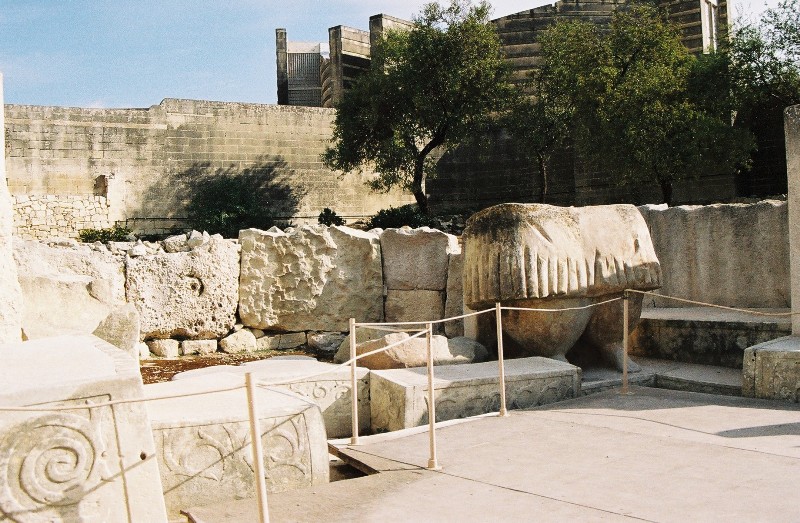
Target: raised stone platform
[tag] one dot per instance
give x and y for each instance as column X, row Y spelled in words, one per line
column 398, row 397
column 203, row 442
column 331, row 391
column 82, row 464
column 704, row 335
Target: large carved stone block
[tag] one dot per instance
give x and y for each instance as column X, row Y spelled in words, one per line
column 546, row 257
column 89, row 463
column 771, row 370
column 314, row 278
column 203, row 443
column 399, row 397
column 416, row 259
column 186, row 294
column 330, row 391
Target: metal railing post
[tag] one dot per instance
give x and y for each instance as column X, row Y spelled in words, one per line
column 625, row 342
column 353, row 382
column 433, row 463
column 500, row 360
column 258, row 451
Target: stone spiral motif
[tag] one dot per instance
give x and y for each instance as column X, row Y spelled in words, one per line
column 48, row 463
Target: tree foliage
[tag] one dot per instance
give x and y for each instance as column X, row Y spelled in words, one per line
column 431, row 87
column 626, row 89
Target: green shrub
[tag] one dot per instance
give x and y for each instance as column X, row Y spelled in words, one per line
column 395, row 217
column 117, row 233
column 329, row 217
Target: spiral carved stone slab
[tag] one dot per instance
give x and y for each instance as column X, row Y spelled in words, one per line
column 94, row 462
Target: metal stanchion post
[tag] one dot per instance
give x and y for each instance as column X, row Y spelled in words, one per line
column 625, row 342
column 500, row 360
column 258, row 451
column 353, row 382
column 433, row 463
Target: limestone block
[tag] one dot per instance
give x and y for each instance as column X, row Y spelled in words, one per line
column 176, row 243
column 268, row 342
column 362, row 335
column 204, row 450
column 166, row 348
column 325, row 341
column 313, row 278
column 121, row 329
column 398, row 397
column 87, row 464
column 413, row 352
column 143, row 350
column 65, row 276
column 544, row 257
column 239, row 341
column 688, row 240
column 466, row 350
column 454, row 301
column 418, row 305
column 186, row 294
column 198, row 347
column 771, row 370
column 292, row 340
column 417, row 258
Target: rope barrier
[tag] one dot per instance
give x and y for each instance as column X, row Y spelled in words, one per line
column 564, row 309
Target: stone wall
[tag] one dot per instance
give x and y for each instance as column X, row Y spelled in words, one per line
column 147, row 162
column 735, row 255
column 51, row 216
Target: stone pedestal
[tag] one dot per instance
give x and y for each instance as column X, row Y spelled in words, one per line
column 82, row 464
column 771, row 370
column 204, row 449
column 399, row 397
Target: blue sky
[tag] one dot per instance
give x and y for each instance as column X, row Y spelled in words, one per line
column 134, row 53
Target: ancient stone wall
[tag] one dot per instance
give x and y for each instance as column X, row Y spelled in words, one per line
column 146, row 163
column 735, row 254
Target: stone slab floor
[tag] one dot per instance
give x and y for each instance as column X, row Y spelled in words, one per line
column 654, row 455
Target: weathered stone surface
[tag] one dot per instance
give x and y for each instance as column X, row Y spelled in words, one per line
column 362, row 335
column 176, row 243
column 87, row 282
column 419, row 305
column 204, row 450
column 121, row 329
column 416, row 258
column 466, row 350
column 544, row 257
column 10, row 293
column 198, row 347
column 165, row 348
column 688, row 241
column 186, row 294
column 239, row 341
column 398, row 397
column 313, row 278
column 771, row 370
column 325, row 341
column 454, row 301
column 143, row 349
column 292, row 340
column 319, row 382
column 703, row 335
column 84, row 464
column 413, row 352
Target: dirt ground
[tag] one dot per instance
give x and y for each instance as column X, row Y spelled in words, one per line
column 156, row 370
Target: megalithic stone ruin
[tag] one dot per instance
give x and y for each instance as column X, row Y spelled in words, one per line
column 10, row 294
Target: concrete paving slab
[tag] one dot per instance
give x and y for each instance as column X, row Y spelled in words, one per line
column 656, row 455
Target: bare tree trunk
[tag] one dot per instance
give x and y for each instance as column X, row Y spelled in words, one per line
column 542, row 160
column 666, row 191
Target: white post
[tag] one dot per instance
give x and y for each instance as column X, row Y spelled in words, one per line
column 500, row 360
column 625, row 300
column 353, row 382
column 433, row 463
column 258, row 451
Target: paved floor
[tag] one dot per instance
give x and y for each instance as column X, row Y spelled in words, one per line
column 655, row 455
